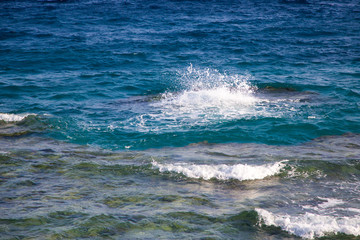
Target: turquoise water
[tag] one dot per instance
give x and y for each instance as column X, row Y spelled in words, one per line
column 180, row 119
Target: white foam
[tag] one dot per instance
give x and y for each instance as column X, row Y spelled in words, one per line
column 311, row 225
column 206, row 96
column 222, row 172
column 355, row 210
column 330, row 202
column 209, row 94
column 9, row 117
column 208, row 104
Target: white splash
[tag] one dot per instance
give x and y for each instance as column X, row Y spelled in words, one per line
column 207, row 95
column 222, row 171
column 311, row 225
column 9, row 117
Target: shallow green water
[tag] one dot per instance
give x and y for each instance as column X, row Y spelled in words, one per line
column 61, row 191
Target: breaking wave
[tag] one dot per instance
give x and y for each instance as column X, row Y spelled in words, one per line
column 310, row 225
column 208, row 95
column 9, row 117
column 222, row 171
column 204, row 96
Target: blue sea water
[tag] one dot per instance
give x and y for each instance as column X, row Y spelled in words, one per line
column 188, row 102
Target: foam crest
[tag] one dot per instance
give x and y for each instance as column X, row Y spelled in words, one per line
column 9, row 117
column 222, row 172
column 311, row 225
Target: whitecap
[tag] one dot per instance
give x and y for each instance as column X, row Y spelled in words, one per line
column 9, row 117
column 222, row 171
column 311, row 225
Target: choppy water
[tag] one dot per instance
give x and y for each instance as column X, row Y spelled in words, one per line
column 179, row 119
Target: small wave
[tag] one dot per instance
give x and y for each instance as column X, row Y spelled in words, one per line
column 311, row 225
column 9, row 117
column 222, row 171
column 14, row 125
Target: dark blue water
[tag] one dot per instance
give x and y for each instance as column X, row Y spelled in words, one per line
column 163, row 75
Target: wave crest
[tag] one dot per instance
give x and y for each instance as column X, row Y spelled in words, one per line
column 9, row 117
column 311, row 225
column 240, row 172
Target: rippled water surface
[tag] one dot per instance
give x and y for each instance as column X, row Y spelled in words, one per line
column 179, row 119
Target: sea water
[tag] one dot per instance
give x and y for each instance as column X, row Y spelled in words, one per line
column 179, row 119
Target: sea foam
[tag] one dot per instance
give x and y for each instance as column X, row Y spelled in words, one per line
column 311, row 225
column 208, row 94
column 205, row 97
column 9, row 117
column 222, row 171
